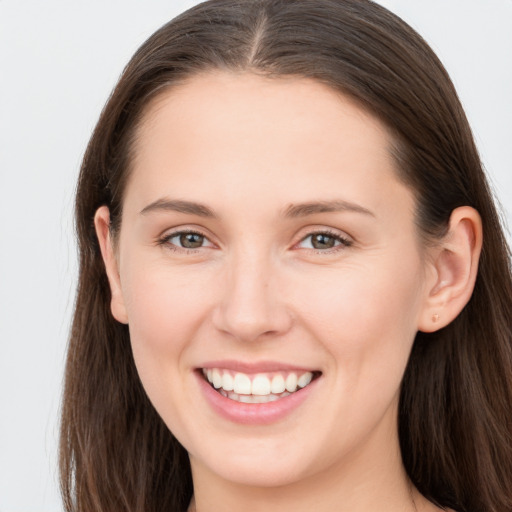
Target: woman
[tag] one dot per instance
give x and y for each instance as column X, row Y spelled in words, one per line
column 295, row 292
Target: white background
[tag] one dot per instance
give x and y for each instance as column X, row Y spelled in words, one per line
column 58, row 62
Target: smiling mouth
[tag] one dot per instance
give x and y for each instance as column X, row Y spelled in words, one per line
column 257, row 388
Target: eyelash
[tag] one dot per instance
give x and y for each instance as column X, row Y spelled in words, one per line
column 343, row 242
column 166, row 240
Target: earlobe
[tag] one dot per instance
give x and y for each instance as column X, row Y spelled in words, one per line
column 455, row 262
column 102, row 225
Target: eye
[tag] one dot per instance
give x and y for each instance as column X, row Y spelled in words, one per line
column 188, row 240
column 323, row 241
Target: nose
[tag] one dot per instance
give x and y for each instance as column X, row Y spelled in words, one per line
column 251, row 304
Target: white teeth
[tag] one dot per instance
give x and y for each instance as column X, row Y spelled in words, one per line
column 304, row 379
column 260, row 388
column 242, row 384
column 216, row 379
column 253, row 399
column 227, row 382
column 278, row 385
column 260, row 385
column 291, row 382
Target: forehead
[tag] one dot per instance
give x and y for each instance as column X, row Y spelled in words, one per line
column 290, row 138
column 242, row 103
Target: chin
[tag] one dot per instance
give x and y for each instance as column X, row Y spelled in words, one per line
column 259, row 463
column 258, row 473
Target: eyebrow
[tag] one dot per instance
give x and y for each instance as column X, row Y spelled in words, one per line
column 292, row 211
column 337, row 205
column 180, row 206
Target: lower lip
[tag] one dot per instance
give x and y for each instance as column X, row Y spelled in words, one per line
column 254, row 414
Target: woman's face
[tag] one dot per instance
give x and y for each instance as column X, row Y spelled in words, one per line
column 266, row 239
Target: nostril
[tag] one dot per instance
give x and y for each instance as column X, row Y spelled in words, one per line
column 251, row 305
column 252, row 325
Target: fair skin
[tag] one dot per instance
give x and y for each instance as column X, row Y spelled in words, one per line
column 303, row 254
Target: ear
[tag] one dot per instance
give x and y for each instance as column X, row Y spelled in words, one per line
column 455, row 266
column 102, row 225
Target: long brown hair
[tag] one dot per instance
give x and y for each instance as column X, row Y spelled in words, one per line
column 455, row 417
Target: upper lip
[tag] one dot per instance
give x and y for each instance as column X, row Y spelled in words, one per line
column 255, row 367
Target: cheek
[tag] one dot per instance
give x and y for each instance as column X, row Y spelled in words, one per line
column 165, row 311
column 365, row 319
column 366, row 316
column 163, row 305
